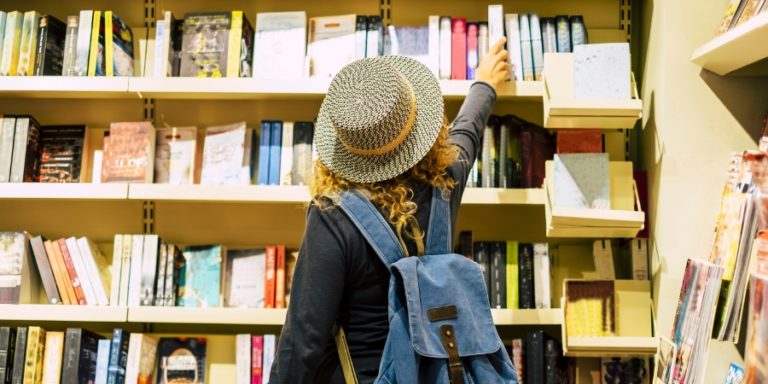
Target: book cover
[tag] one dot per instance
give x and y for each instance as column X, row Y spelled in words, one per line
column 102, row 361
column 33, row 362
column 537, row 46
column 374, row 37
column 280, row 45
column 602, row 71
column 280, row 277
column 224, row 153
column 459, row 49
column 202, row 276
column 512, row 22
column 51, row 36
column 526, row 47
column 205, row 44
column 527, row 298
column 52, row 359
column 582, row 181
column 578, row 31
column 82, row 273
column 28, row 45
column 61, row 153
column 118, row 356
column 175, row 155
column 512, row 273
column 625, row 370
column 85, row 25
column 60, row 274
column 498, row 274
column 116, row 272
column 149, row 269
column 97, row 268
column 244, row 278
column 579, row 141
column 142, row 350
column 121, row 48
column 276, row 136
column 70, row 46
column 541, row 278
column 7, row 349
column 548, row 34
column 80, row 355
column 9, row 61
column 270, row 276
column 483, row 258
column 7, row 130
column 331, row 44
column 257, row 359
column 472, row 53
column 563, row 33
column 19, row 356
column 26, row 141
column 301, row 171
column 270, row 346
column 44, row 268
column 129, row 152
column 243, row 358
column 181, row 360
column 446, row 45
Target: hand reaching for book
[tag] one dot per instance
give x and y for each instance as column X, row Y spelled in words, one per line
column 494, row 68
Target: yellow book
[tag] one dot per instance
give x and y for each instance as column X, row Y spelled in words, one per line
column 512, row 276
column 94, row 55
column 54, row 353
column 233, row 51
column 33, row 363
column 11, row 42
column 28, row 45
column 109, row 52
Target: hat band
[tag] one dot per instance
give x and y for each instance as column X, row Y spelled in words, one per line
column 386, row 148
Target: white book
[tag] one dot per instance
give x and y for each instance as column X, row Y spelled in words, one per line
column 445, row 47
column 602, row 71
column 70, row 46
column 537, row 47
column 28, row 45
column 161, row 67
column 54, row 353
column 243, row 359
column 361, row 32
column 513, row 46
column 224, row 153
column 102, row 361
column 83, row 42
column 11, row 42
column 98, row 159
column 125, row 269
column 373, row 37
column 149, row 269
column 602, row 254
column 331, row 44
column 137, row 258
column 434, row 44
column 280, row 45
column 286, row 154
column 134, row 356
column 495, row 23
column 117, row 262
column 98, row 270
column 3, row 18
column 270, row 346
column 542, row 293
column 175, row 155
column 525, row 47
column 82, row 272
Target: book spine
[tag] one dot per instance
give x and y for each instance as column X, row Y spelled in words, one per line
column 563, row 31
column 160, row 65
column 361, row 27
column 54, row 350
column 233, row 50
column 269, row 356
column 11, row 42
column 44, row 267
column 276, row 137
column 132, row 362
column 63, row 283
column 170, row 276
column 246, row 49
column 6, row 334
column 149, row 269
column 71, row 355
column 459, row 49
column 257, row 356
column 134, row 285
column 100, row 294
column 114, row 356
column 434, row 45
column 518, row 358
column 26, row 64
column 243, row 358
column 109, row 48
column 374, row 37
column 551, row 362
column 270, row 277
column 30, row 361
column 482, row 258
column 280, row 277
column 486, row 162
column 446, row 43
column 549, row 34
column 526, row 47
column 495, row 23
column 264, row 140
column 88, row 356
column 102, row 362
column 42, row 42
column 541, row 276
column 286, row 154
column 537, row 47
column 498, row 275
column 160, row 282
column 512, row 22
column 578, row 31
column 83, row 46
column 122, row 357
column 94, row 53
column 70, row 46
column 534, row 357
column 525, row 271
column 82, row 273
column 7, row 129
column 72, row 272
column 504, row 175
column 19, row 355
column 472, row 54
column 125, row 269
column 117, row 263
column 31, row 158
column 20, row 140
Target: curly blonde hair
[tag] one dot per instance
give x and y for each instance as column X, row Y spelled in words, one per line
column 393, row 197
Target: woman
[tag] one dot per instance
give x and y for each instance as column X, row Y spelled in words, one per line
column 381, row 129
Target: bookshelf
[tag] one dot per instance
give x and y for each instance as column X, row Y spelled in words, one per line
column 743, row 47
column 74, row 191
column 62, row 313
column 610, row 346
column 62, row 87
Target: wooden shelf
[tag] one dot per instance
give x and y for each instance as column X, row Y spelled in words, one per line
column 737, row 48
column 61, row 87
column 229, row 316
column 611, row 346
column 62, row 313
column 552, row 316
column 219, row 193
column 68, row 191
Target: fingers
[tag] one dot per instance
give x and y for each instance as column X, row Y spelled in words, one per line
column 502, row 55
column 496, row 48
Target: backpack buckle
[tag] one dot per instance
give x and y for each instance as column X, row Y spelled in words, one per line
column 455, row 367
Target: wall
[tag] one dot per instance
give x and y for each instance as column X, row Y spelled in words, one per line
column 692, row 120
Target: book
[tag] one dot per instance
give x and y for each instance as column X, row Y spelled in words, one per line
column 735, row 374
column 9, row 60
column 136, row 263
column 374, row 37
column 526, row 47
column 140, row 366
column 45, row 270
column 3, row 18
column 26, row 140
column 7, row 349
column 730, row 17
column 276, row 137
column 162, row 263
column 537, row 46
column 548, row 34
column 97, row 268
column 264, row 153
column 257, row 356
column 625, row 370
column 553, row 367
column 125, row 268
column 542, row 295
column 225, row 159
column 459, row 49
column 527, row 298
column 163, row 58
column 488, row 155
column 80, row 355
column 7, row 129
column 119, row 47
column 483, row 258
column 70, row 46
column 96, row 50
column 33, row 362
column 472, row 55
column 434, row 45
column 361, row 29
column 446, row 45
column 128, row 153
column 602, row 71
column 82, row 273
column 280, row 45
column 331, row 44
column 240, row 46
column 175, row 155
column 85, row 25
column 181, row 360
column 270, row 346
column 49, row 56
column 174, row 267
column 118, row 356
column 243, row 358
column 495, row 23
column 102, row 361
column 563, row 30
column 578, row 31
column 512, row 23
column 498, row 254
column 534, row 357
column 579, row 141
column 60, row 275
column 205, row 44
column 19, row 356
column 52, row 359
column 582, row 181
column 482, row 41
column 280, row 277
column 18, row 280
column 301, row 171
column 202, row 277
column 270, row 272
column 755, row 364
column 149, row 269
column 286, row 154
column 244, row 278
column 62, row 152
column 751, row 8
column 291, row 258
column 28, row 44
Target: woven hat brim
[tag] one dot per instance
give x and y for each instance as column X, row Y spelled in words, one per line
column 370, row 169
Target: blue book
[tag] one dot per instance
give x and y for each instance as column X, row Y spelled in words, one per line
column 202, row 277
column 102, row 361
column 118, row 357
column 264, row 140
column 275, row 146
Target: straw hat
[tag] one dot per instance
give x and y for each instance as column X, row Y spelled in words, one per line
column 380, row 117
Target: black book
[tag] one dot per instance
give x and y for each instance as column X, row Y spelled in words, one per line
column 301, row 170
column 498, row 274
column 553, row 367
column 7, row 347
column 19, row 353
column 118, row 357
column 465, row 245
column 527, row 297
column 51, row 35
column 177, row 36
column 483, row 257
column 61, row 152
column 44, row 267
column 534, row 358
column 80, row 354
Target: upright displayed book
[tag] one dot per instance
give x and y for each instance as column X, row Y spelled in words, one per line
column 118, row 47
column 49, row 56
column 175, row 155
column 18, row 283
column 62, row 153
column 142, row 352
column 240, row 49
column 202, row 277
column 226, row 155
column 582, row 181
column 331, row 44
column 205, row 44
column 244, row 278
column 28, row 44
column 181, row 360
column 280, row 45
column 129, row 153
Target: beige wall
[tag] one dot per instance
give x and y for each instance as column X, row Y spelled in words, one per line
column 692, row 120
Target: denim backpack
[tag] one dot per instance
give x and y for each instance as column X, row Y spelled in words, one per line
column 440, row 324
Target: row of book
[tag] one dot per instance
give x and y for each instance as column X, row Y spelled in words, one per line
column 254, row 357
column 739, row 11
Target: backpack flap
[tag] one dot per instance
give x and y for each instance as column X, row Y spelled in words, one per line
column 446, row 290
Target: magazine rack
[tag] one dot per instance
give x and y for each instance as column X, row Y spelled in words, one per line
column 562, row 110
column 624, row 220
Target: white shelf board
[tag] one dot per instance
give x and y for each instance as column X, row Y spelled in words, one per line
column 737, row 48
column 518, row 90
column 219, row 193
column 552, row 316
column 184, row 315
column 227, row 88
column 69, row 191
column 65, row 87
column 611, row 346
column 63, row 313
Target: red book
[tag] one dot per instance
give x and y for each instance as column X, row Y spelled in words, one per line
column 280, row 277
column 472, row 54
column 257, row 355
column 71, row 271
column 579, row 141
column 459, row 49
column 269, row 279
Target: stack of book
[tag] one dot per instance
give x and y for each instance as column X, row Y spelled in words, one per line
column 739, row 11
column 255, row 355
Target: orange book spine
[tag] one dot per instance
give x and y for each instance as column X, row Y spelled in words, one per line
column 56, row 273
column 269, row 279
column 71, row 272
column 280, row 277
column 66, row 283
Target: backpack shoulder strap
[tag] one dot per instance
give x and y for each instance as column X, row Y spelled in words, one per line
column 439, row 229
column 372, row 226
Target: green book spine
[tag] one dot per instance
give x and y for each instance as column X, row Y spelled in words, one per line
column 512, row 276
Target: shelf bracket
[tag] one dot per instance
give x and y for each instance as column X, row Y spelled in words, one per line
column 148, row 218
column 150, row 19
column 625, row 18
column 385, row 11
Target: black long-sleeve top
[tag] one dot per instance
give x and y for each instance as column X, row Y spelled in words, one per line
column 340, row 278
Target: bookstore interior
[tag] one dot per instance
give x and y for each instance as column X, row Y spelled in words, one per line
column 615, row 208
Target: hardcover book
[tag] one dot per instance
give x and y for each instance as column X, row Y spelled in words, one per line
column 62, row 153
column 181, row 360
column 244, row 278
column 128, row 153
column 280, row 45
column 225, row 158
column 202, row 277
column 582, row 181
column 205, row 44
column 331, row 44
column 49, row 58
